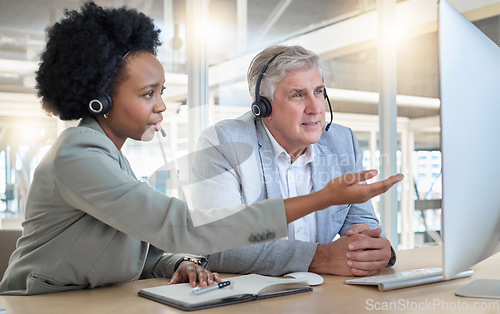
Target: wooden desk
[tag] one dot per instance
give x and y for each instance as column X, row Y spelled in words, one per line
column 331, row 296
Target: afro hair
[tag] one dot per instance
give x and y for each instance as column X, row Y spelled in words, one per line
column 83, row 58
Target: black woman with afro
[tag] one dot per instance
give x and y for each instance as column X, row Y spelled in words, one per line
column 89, row 222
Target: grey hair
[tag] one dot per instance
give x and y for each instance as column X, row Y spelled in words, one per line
column 290, row 58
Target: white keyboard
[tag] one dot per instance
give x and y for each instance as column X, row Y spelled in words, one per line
column 406, row 279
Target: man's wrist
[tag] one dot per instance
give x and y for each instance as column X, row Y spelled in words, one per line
column 319, row 259
column 392, row 260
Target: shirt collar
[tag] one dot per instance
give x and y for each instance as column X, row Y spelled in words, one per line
column 280, row 151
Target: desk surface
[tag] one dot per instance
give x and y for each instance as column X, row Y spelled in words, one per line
column 331, row 296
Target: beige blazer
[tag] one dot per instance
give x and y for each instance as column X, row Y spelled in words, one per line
column 90, row 222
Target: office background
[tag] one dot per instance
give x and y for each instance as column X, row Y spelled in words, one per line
column 207, row 47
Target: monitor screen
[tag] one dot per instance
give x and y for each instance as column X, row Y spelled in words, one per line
column 469, row 66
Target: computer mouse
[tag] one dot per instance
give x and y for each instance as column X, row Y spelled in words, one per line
column 312, row 278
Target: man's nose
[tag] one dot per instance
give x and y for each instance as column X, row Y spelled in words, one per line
column 315, row 104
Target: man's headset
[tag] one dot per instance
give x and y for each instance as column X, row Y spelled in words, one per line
column 261, row 107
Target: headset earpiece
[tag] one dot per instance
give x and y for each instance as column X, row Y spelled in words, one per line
column 101, row 105
column 261, row 107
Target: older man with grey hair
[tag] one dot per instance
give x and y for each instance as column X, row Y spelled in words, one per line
column 281, row 149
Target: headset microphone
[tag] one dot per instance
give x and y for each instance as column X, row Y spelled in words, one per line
column 331, row 112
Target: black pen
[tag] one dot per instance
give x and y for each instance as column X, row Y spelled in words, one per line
column 220, row 285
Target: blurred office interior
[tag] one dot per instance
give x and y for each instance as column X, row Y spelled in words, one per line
column 207, row 47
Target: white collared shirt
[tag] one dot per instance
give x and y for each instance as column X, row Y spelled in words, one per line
column 296, row 180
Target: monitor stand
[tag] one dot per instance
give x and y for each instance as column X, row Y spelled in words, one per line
column 481, row 288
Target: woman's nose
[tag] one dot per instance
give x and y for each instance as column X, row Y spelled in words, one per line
column 160, row 105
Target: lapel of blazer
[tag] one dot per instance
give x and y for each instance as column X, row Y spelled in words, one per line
column 320, row 173
column 318, row 166
column 268, row 163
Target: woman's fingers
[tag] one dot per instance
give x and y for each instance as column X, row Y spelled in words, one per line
column 347, row 189
column 352, row 178
column 194, row 274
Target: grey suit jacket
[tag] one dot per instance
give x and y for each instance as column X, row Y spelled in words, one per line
column 235, row 164
column 90, row 222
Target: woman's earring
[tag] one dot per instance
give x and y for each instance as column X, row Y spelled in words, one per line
column 106, row 115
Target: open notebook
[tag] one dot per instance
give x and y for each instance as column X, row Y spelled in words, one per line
column 406, row 278
column 242, row 289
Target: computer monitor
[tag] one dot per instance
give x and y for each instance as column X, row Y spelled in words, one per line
column 469, row 76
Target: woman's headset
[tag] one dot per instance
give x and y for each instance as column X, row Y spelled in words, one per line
column 103, row 104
